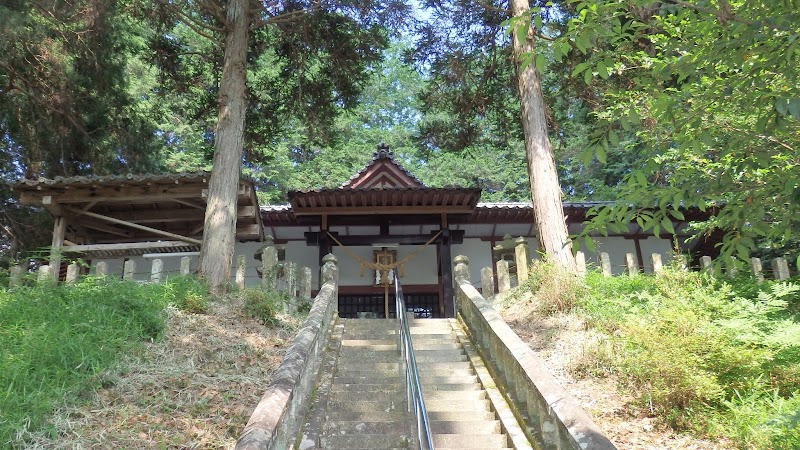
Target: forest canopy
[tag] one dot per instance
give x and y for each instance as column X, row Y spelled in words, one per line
column 662, row 105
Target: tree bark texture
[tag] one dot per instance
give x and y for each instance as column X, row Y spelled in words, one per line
column 219, row 232
column 548, row 210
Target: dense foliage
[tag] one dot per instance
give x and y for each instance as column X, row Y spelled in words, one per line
column 59, row 343
column 708, row 96
column 719, row 357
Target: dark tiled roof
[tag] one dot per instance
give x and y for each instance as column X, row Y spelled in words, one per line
column 103, row 180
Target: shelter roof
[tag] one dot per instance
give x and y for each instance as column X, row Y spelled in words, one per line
column 384, row 171
column 124, row 215
column 382, row 187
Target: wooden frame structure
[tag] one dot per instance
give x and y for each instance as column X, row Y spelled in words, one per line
column 122, row 216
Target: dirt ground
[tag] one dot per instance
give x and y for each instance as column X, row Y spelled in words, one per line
column 195, row 389
column 560, row 341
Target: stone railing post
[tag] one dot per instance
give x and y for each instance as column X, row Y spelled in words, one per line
column 461, row 276
column 72, row 273
column 658, row 266
column 15, row 276
column 605, row 264
column 329, row 270
column 241, row 271
column 186, row 264
column 269, row 265
column 305, row 284
column 780, row 269
column 156, row 269
column 45, row 274
column 755, row 263
column 101, row 269
column 461, row 269
column 580, row 263
column 631, row 264
column 503, row 278
column 521, row 259
column 705, row 263
column 487, row 282
column 129, row 270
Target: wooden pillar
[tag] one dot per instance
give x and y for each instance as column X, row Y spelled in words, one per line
column 57, row 245
column 446, row 302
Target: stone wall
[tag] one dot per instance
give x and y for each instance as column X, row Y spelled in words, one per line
column 278, row 418
column 549, row 414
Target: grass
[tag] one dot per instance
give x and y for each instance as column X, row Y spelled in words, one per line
column 58, row 343
column 716, row 357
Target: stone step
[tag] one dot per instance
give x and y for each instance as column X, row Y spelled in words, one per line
column 366, row 441
column 374, row 406
column 366, row 343
column 443, row 404
column 399, row 395
column 451, row 355
column 457, row 416
column 451, row 387
column 425, row 375
column 470, row 440
column 465, row 426
column 393, row 347
column 427, row 379
column 358, row 427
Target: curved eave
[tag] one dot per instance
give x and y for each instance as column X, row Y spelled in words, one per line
column 384, row 201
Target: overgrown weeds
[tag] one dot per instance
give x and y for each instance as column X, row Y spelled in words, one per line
column 58, row 341
column 713, row 356
column 264, row 305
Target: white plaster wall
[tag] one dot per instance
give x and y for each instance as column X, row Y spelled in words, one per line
column 421, row 269
column 655, row 245
column 304, row 256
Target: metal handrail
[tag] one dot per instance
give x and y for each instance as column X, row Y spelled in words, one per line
column 413, row 386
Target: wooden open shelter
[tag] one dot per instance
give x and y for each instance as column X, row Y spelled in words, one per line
column 128, row 215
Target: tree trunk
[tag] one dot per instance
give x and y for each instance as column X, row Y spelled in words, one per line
column 219, row 232
column 548, row 211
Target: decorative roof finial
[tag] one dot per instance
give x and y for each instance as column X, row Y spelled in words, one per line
column 383, row 151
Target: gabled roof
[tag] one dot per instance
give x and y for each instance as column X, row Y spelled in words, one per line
column 382, row 172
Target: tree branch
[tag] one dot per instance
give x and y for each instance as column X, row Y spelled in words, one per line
column 283, row 17
column 198, row 27
column 724, row 14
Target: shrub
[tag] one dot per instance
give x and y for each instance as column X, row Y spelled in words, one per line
column 263, row 305
column 549, row 290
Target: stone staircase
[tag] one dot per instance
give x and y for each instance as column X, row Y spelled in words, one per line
column 361, row 403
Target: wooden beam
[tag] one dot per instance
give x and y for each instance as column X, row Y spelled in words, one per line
column 124, row 246
column 373, row 210
column 104, row 228
column 189, row 203
column 145, row 194
column 173, row 215
column 59, row 229
column 134, row 226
